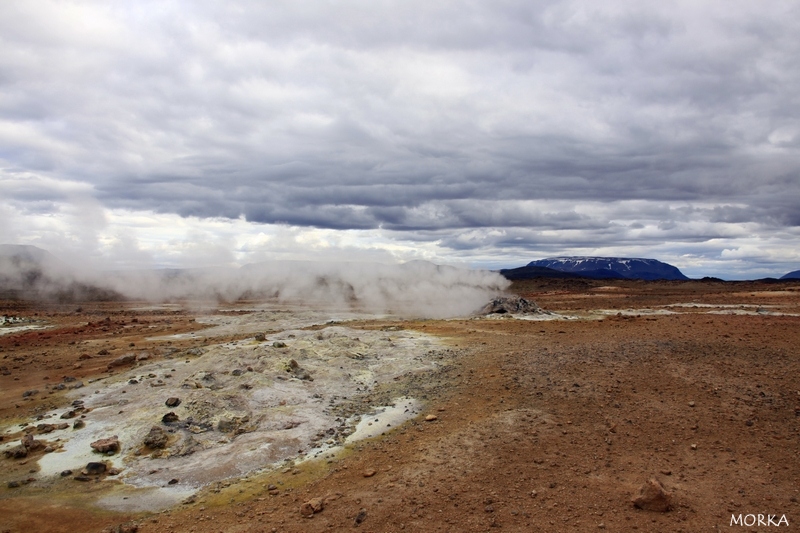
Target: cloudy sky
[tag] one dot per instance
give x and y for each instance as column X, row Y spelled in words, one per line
column 487, row 134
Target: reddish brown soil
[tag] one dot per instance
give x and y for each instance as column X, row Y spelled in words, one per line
column 540, row 426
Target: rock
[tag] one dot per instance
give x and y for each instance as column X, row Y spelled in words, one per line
column 173, row 402
column 360, row 517
column 110, row 444
column 31, row 444
column 29, row 393
column 102, row 352
column 652, row 497
column 17, row 452
column 69, row 414
column 370, row 472
column 260, row 337
column 279, row 344
column 314, row 505
column 169, row 418
column 511, row 305
column 123, row 360
column 157, row 438
column 297, row 371
column 85, row 356
column 78, row 424
column 94, row 469
column 431, row 418
column 65, row 473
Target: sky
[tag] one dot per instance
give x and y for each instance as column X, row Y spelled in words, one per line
column 483, row 134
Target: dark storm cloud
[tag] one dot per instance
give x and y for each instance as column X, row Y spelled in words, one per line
column 414, row 116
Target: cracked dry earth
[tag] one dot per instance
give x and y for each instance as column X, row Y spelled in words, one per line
column 527, row 425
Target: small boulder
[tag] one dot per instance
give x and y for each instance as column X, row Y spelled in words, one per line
column 169, row 418
column 94, row 469
column 173, row 402
column 360, row 517
column 123, row 360
column 17, row 452
column 157, row 438
column 314, row 505
column 31, row 444
column 110, row 444
column 653, row 497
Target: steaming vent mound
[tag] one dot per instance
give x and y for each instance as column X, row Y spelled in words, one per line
column 513, row 305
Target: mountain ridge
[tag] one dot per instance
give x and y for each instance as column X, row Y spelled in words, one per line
column 612, row 267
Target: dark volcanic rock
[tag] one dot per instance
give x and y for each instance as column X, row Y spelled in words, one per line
column 31, row 444
column 511, row 305
column 94, row 469
column 17, row 452
column 157, row 438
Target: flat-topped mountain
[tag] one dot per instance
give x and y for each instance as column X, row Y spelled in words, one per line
column 612, row 267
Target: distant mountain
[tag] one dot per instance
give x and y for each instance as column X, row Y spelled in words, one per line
column 792, row 275
column 531, row 272
column 25, row 255
column 28, row 272
column 612, row 267
column 23, row 266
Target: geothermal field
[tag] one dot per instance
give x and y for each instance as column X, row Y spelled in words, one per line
column 303, row 412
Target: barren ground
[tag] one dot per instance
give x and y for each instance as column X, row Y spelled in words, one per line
column 539, row 425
